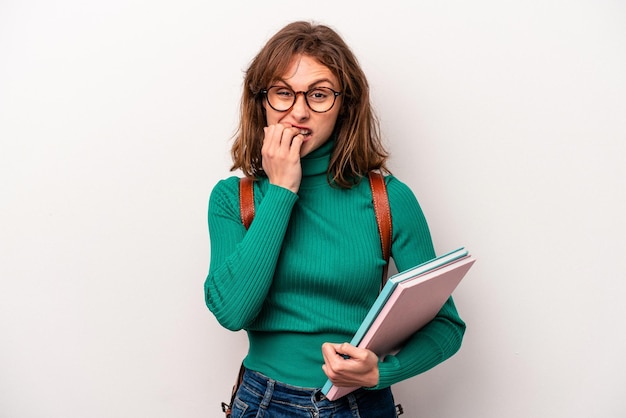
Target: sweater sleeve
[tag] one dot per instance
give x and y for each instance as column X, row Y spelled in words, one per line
column 242, row 262
column 412, row 245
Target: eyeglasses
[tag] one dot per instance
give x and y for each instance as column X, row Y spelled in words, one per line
column 319, row 99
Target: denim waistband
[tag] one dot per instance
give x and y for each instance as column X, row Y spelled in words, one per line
column 270, row 393
column 282, row 392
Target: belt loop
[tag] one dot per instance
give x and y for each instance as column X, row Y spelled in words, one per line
column 267, row 397
column 354, row 407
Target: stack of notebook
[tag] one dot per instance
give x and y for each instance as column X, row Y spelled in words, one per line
column 407, row 302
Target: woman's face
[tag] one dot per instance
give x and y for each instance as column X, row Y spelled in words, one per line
column 305, row 73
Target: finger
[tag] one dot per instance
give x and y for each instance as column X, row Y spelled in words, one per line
column 288, row 134
column 273, row 135
column 331, row 349
column 333, row 357
column 332, row 362
column 348, row 350
column 296, row 145
column 328, row 352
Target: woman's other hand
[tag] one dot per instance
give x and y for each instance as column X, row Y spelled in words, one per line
column 347, row 365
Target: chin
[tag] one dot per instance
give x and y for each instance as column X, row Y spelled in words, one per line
column 305, row 149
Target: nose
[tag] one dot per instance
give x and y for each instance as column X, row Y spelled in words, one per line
column 300, row 109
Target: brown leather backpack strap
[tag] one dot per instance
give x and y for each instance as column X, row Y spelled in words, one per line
column 228, row 408
column 379, row 198
column 383, row 216
column 246, row 200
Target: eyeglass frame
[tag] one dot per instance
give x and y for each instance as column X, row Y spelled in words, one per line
column 304, row 94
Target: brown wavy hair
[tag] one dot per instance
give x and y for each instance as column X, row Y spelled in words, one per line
column 358, row 146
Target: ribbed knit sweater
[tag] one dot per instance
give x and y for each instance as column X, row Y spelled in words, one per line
column 309, row 268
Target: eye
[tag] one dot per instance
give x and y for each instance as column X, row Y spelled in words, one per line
column 283, row 93
column 319, row 94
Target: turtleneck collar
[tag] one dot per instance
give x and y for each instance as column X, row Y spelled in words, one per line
column 315, row 164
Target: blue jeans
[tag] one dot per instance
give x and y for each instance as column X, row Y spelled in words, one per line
column 259, row 396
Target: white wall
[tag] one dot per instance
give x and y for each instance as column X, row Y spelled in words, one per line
column 508, row 119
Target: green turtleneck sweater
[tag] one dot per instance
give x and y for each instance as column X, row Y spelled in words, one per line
column 308, row 269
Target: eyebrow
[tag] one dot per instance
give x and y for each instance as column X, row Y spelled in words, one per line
column 310, row 86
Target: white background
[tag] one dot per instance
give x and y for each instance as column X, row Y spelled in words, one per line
column 507, row 119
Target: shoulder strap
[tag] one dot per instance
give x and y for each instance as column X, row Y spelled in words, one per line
column 379, row 198
column 227, row 408
column 383, row 216
column 246, row 200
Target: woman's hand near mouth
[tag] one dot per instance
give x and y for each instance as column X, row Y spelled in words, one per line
column 281, row 155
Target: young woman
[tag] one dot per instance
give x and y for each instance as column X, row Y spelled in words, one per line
column 303, row 276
